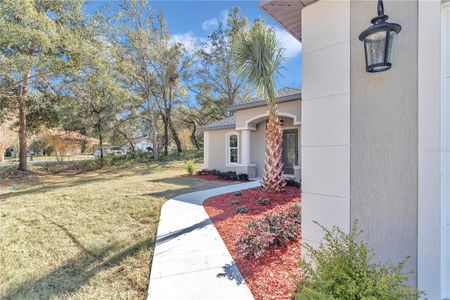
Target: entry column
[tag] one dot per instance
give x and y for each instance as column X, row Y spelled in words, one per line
column 245, row 146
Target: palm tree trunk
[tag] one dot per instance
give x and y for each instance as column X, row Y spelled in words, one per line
column 273, row 166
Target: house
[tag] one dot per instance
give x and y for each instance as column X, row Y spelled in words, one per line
column 375, row 146
column 237, row 143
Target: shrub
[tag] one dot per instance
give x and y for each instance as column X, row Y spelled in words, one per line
column 235, row 201
column 238, row 194
column 295, row 212
column 230, row 175
column 264, row 235
column 264, row 201
column 293, row 183
column 61, row 167
column 243, row 177
column 341, row 268
column 190, row 167
column 241, row 210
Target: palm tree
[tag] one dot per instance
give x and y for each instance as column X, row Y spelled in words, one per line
column 258, row 54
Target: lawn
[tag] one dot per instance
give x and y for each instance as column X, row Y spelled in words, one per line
column 84, row 235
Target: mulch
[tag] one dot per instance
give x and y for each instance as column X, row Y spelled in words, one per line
column 274, row 275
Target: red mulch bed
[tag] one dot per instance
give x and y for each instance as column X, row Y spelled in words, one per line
column 212, row 178
column 273, row 275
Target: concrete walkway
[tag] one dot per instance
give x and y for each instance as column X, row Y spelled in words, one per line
column 191, row 261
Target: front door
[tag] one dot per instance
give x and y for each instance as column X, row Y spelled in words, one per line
column 290, row 150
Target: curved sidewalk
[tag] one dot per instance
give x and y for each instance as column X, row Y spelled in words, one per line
column 190, row 260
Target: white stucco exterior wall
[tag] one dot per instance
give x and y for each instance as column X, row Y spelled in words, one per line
column 325, row 118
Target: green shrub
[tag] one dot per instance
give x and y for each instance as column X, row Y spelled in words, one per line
column 241, row 210
column 262, row 236
column 235, row 201
column 341, row 268
column 264, row 201
column 190, row 167
column 61, row 167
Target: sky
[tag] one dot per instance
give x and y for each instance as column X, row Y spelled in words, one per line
column 190, row 22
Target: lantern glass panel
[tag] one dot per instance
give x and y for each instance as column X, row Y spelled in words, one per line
column 375, row 44
column 392, row 36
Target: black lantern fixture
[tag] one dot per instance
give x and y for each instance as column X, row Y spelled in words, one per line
column 379, row 41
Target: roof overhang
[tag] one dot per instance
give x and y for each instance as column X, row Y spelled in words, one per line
column 203, row 129
column 287, row 13
column 236, row 107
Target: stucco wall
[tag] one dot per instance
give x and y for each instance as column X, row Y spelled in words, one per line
column 384, row 133
column 217, row 148
column 292, row 107
column 325, row 118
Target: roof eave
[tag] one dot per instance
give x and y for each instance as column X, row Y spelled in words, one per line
column 203, row 129
column 288, row 98
column 274, row 9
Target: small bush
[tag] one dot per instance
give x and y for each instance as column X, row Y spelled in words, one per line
column 190, row 167
column 341, row 268
column 243, row 177
column 230, row 175
column 241, row 210
column 237, row 194
column 61, row 167
column 264, row 201
column 235, row 201
column 264, row 235
column 295, row 212
column 293, row 183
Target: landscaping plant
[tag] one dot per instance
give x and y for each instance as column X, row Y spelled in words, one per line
column 269, row 233
column 190, row 167
column 342, row 268
column 258, row 54
column 241, row 210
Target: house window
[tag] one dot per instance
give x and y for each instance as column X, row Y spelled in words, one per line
column 233, row 146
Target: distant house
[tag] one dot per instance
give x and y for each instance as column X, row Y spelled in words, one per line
column 237, row 143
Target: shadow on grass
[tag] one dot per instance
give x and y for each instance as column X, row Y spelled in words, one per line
column 103, row 176
column 188, row 185
column 76, row 272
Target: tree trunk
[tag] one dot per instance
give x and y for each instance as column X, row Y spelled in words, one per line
column 273, row 166
column 133, row 149
column 166, row 135
column 175, row 136
column 2, row 153
column 194, row 136
column 155, row 136
column 100, row 139
column 22, row 105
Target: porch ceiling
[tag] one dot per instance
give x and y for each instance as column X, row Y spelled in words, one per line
column 287, row 13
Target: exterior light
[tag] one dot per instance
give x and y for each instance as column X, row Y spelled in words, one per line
column 379, row 41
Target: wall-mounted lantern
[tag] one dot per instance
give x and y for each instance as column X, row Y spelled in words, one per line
column 379, row 41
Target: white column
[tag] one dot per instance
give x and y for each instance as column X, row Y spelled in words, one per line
column 206, row 149
column 245, row 146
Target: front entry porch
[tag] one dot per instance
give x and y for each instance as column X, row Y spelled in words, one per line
column 254, row 145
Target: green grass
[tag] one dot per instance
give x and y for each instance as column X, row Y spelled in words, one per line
column 83, row 235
